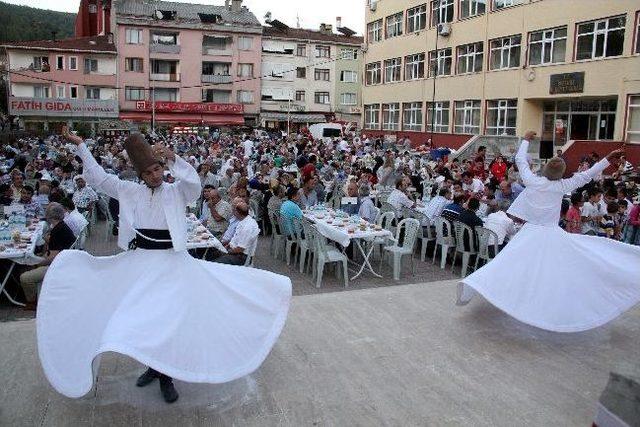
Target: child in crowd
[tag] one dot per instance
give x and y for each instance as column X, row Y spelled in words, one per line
column 591, row 212
column 609, row 226
column 573, row 217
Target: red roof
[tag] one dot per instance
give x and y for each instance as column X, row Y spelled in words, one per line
column 302, row 34
column 83, row 44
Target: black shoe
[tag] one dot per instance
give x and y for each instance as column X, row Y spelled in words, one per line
column 147, row 378
column 169, row 392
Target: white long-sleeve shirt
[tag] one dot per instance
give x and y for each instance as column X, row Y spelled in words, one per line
column 541, row 200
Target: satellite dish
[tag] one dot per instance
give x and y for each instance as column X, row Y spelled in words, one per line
column 159, row 14
column 267, row 17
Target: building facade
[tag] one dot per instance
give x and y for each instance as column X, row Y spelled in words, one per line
column 56, row 82
column 449, row 69
column 202, row 62
column 309, row 77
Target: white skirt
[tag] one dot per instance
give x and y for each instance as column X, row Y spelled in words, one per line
column 559, row 281
column 193, row 320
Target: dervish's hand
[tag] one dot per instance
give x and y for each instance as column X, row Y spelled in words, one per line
column 529, row 135
column 616, row 154
column 70, row 137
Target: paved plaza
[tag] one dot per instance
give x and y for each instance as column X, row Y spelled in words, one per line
column 396, row 356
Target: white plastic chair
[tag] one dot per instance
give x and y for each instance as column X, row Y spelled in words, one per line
column 484, row 253
column 252, row 254
column 464, row 231
column 327, row 254
column 79, row 242
column 277, row 236
column 110, row 221
column 445, row 238
column 411, row 227
column 307, row 246
column 428, row 234
column 385, row 221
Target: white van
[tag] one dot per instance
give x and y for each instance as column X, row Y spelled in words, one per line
column 326, row 130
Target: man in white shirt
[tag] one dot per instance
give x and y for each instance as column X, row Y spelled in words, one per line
column 399, row 199
column 472, row 185
column 343, row 145
column 499, row 222
column 592, row 212
column 244, row 239
column 215, row 212
column 436, row 205
column 73, row 218
column 248, row 147
column 367, row 210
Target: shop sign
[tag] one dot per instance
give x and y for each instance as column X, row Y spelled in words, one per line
column 567, row 83
column 190, row 107
column 22, row 106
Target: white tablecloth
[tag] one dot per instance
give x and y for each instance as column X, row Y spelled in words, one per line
column 25, row 256
column 203, row 240
column 340, row 234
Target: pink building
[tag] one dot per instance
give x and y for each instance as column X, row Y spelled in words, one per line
column 56, row 82
column 202, row 62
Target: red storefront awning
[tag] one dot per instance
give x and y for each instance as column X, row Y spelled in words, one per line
column 192, row 119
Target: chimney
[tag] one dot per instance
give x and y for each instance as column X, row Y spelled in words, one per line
column 227, row 4
column 53, row 35
column 236, row 5
column 338, row 22
column 326, row 29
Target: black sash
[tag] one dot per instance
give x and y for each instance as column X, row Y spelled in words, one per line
column 144, row 243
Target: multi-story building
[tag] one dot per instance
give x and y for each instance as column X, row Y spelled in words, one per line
column 56, row 82
column 309, row 76
column 450, row 69
column 202, row 62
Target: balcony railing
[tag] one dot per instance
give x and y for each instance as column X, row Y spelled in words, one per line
column 165, row 77
column 215, row 51
column 164, row 48
column 216, row 78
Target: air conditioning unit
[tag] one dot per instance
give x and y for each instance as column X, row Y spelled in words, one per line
column 373, row 6
column 444, row 29
column 364, row 47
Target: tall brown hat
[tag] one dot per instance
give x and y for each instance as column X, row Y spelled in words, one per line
column 140, row 152
column 554, row 169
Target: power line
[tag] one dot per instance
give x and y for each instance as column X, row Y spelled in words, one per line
column 206, row 85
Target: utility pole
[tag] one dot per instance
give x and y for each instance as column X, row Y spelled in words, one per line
column 153, row 107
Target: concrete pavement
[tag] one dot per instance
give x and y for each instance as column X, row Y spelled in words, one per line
column 397, row 356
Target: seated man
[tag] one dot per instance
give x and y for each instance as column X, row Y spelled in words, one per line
column 73, row 218
column 244, row 239
column 452, row 211
column 352, row 192
column 367, row 210
column 399, row 199
column 215, row 212
column 499, row 222
column 469, row 217
column 290, row 209
column 32, row 209
column 84, row 197
column 60, row 238
column 436, row 205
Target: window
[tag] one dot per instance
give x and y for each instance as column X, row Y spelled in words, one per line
column 440, row 62
column 633, row 127
column 374, row 31
column 392, row 70
column 133, row 36
column 470, row 58
column 59, row 91
column 601, row 39
column 505, row 53
column 217, row 96
column 73, row 92
column 412, row 116
column 59, row 62
column 373, row 73
column 501, row 117
column 417, row 18
column 73, row 63
column 133, row 64
column 41, row 63
column 348, row 77
column 414, row 66
column 134, row 93
column 348, row 54
column 441, row 12
column 301, row 50
column 245, row 70
column 394, row 25
column 438, row 116
column 467, row 117
column 637, row 42
column 321, row 74
column 323, row 51
column 166, row 94
column 245, row 97
column 301, row 95
column 391, row 116
column 40, row 91
column 90, row 65
column 93, row 8
column 372, row 116
column 93, row 93
column 348, row 99
column 501, row 4
column 471, row 8
column 245, row 43
column 321, row 98
column 167, row 39
column 301, row 72
column 548, row 46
